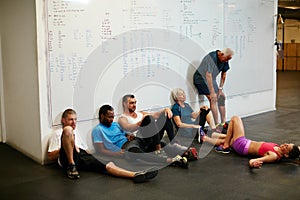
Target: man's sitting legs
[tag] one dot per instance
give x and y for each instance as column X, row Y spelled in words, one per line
column 68, row 154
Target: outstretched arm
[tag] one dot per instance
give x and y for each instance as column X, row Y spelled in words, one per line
column 194, row 114
column 210, row 86
column 180, row 124
column 166, row 111
column 222, row 79
column 54, row 145
column 269, row 157
column 101, row 148
column 125, row 125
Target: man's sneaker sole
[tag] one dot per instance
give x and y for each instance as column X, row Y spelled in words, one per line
column 143, row 176
column 72, row 172
column 181, row 162
column 184, row 163
column 71, row 176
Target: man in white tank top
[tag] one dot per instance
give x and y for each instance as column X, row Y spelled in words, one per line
column 149, row 127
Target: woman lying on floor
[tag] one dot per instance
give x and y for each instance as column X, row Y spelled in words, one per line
column 265, row 152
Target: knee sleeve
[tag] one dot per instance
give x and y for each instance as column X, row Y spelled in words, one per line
column 221, row 100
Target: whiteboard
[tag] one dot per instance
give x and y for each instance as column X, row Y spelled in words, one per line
column 98, row 51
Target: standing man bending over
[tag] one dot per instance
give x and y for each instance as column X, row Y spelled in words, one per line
column 206, row 84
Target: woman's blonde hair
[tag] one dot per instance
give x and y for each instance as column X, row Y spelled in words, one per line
column 175, row 92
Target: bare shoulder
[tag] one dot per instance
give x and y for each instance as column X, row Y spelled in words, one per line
column 122, row 118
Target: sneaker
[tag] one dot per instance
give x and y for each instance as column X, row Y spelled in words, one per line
column 222, row 128
column 144, row 176
column 191, row 154
column 161, row 153
column 180, row 161
column 72, row 172
column 220, row 149
column 201, row 135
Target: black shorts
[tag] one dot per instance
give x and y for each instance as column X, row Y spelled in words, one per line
column 203, row 88
column 83, row 160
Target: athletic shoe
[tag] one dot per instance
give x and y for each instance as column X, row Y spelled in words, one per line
column 72, row 172
column 180, row 161
column 201, row 135
column 146, row 175
column 191, row 154
column 222, row 128
column 220, row 149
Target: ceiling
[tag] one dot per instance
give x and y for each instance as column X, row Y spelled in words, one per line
column 289, row 9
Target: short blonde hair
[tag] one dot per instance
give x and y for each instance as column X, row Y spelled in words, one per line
column 227, row 52
column 175, row 92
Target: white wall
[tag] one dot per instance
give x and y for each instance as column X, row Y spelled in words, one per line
column 46, row 127
column 20, row 76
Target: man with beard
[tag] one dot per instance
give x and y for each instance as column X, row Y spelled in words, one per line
column 148, row 126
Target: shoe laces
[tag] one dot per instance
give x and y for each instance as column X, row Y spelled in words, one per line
column 73, row 169
column 177, row 158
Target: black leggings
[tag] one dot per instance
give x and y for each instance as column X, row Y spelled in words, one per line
column 135, row 150
column 152, row 131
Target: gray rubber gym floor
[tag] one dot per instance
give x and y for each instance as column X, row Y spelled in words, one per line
column 216, row 176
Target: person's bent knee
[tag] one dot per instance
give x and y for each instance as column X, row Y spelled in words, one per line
column 147, row 120
column 67, row 131
column 235, row 118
